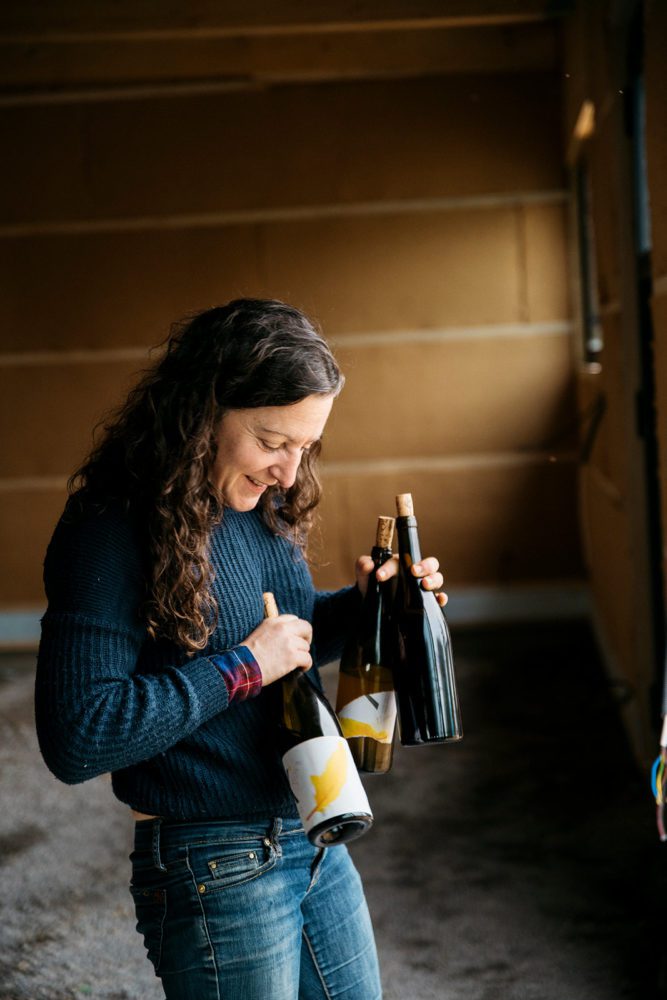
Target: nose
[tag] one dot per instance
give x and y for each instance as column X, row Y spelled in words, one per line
column 285, row 470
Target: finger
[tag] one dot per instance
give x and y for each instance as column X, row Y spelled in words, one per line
column 441, row 599
column 365, row 565
column 388, row 569
column 304, row 630
column 426, row 566
column 303, row 660
column 434, row 582
column 287, row 618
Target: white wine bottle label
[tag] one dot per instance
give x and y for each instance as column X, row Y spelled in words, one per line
column 372, row 715
column 324, row 780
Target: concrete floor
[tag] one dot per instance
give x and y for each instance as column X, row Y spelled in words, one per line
column 520, row 864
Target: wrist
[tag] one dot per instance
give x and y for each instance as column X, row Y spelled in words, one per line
column 240, row 671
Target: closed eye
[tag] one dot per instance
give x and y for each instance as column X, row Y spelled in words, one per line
column 267, row 447
column 271, row 448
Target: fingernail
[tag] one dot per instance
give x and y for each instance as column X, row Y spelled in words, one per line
column 382, row 575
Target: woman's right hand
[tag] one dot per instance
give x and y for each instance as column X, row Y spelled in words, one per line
column 279, row 645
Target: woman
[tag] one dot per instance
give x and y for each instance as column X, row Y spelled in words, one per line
column 155, row 657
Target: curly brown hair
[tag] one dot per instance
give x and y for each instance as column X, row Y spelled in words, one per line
column 158, row 448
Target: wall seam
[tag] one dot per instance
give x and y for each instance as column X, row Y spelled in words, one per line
column 288, row 213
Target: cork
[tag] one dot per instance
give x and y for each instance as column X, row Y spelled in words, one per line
column 270, row 606
column 385, row 532
column 404, row 505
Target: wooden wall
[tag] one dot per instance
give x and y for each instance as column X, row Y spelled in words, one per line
column 656, row 142
column 421, row 221
column 612, row 484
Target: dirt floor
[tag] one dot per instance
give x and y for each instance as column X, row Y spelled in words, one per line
column 520, row 864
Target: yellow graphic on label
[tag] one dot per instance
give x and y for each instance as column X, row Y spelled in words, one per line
column 353, row 727
column 371, row 716
column 329, row 784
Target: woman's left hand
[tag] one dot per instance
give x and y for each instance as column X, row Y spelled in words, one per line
column 428, row 571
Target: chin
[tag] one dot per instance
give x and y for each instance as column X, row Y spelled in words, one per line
column 242, row 504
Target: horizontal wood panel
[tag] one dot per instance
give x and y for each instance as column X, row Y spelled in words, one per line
column 290, row 145
column 74, row 16
column 53, row 410
column 547, row 283
column 118, row 290
column 337, row 54
column 448, row 398
column 377, row 273
column 485, row 525
column 455, row 397
column 27, row 520
column 493, row 525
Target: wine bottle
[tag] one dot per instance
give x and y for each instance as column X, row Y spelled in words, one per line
column 426, row 696
column 329, row 795
column 365, row 704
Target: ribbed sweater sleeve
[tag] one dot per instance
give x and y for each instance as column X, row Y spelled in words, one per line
column 96, row 711
column 334, row 616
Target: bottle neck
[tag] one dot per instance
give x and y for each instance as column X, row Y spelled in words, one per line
column 380, row 555
column 408, row 541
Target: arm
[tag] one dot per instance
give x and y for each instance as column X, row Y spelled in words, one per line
column 95, row 711
column 101, row 702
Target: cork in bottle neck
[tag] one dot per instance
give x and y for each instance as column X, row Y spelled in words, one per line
column 270, row 606
column 404, row 505
column 385, row 532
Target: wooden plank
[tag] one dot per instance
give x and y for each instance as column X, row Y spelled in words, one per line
column 546, row 274
column 467, row 392
column 485, row 525
column 371, row 141
column 35, row 18
column 124, row 290
column 453, row 398
column 61, row 405
column 27, row 520
column 339, row 54
column 118, row 290
column 398, row 273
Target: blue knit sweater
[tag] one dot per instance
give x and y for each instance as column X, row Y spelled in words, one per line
column 109, row 698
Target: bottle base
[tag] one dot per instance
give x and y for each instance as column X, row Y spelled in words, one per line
column 341, row 830
column 431, row 740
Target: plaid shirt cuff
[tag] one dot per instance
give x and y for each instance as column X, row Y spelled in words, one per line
column 240, row 672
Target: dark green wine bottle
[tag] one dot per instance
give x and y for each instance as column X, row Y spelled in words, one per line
column 331, row 800
column 365, row 704
column 426, row 695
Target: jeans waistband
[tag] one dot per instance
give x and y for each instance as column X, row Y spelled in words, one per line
column 156, row 835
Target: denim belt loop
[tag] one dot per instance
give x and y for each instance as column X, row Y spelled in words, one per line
column 274, row 836
column 155, row 845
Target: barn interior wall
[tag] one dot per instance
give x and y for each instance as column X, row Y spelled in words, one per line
column 421, row 221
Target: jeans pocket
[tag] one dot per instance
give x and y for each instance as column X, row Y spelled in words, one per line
column 224, row 865
column 150, row 906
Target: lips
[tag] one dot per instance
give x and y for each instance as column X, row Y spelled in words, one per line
column 256, row 484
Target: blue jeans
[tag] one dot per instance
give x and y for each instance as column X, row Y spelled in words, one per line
column 251, row 911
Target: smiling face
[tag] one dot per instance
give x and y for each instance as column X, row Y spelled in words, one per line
column 262, row 447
